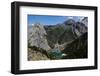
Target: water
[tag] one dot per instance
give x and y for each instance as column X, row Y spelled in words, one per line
column 56, row 54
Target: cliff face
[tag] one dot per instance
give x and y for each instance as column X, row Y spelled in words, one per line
column 37, row 37
column 84, row 21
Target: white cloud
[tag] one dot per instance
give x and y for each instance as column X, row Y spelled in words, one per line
column 70, row 17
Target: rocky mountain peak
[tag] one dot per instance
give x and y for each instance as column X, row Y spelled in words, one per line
column 69, row 22
column 37, row 37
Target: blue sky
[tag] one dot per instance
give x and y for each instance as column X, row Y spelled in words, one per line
column 49, row 20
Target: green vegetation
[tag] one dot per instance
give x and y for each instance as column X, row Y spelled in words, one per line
column 77, row 49
column 34, row 48
column 53, row 35
column 59, row 34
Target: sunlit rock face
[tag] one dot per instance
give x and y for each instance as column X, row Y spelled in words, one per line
column 84, row 20
column 37, row 37
column 81, row 26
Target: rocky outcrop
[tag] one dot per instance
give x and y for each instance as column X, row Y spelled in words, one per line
column 80, row 28
column 34, row 55
column 37, row 37
column 85, row 21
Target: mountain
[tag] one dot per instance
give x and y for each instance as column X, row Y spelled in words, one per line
column 56, row 33
column 70, row 22
column 37, row 36
column 59, row 33
column 65, row 32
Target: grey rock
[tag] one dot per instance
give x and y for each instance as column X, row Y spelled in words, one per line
column 37, row 37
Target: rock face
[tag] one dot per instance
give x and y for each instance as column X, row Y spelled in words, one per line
column 37, row 37
column 84, row 21
column 80, row 28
